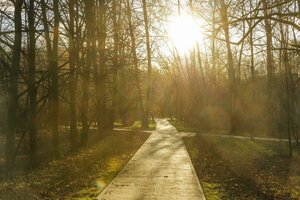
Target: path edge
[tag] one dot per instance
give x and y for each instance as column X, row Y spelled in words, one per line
column 194, row 172
column 104, row 190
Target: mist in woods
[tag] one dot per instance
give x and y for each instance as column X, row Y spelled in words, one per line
column 71, row 72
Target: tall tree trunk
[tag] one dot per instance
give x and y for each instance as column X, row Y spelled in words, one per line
column 90, row 21
column 85, row 105
column 269, row 40
column 145, row 123
column 270, row 67
column 72, row 80
column 197, row 53
column 299, row 8
column 252, row 67
column 99, row 72
column 135, row 60
column 54, row 93
column 32, row 85
column 52, row 59
column 231, row 72
column 288, row 85
column 213, row 40
column 239, row 76
column 116, row 63
column 178, row 7
column 13, row 90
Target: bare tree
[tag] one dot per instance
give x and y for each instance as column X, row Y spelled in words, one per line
column 52, row 61
column 230, row 66
column 99, row 68
column 13, row 88
column 145, row 122
column 135, row 61
column 72, row 81
column 86, row 69
column 32, row 84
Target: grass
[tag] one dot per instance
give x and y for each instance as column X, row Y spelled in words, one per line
column 82, row 176
column 243, row 169
column 137, row 125
column 181, row 127
column 118, row 124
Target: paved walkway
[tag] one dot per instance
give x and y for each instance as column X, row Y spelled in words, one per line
column 161, row 169
column 245, row 137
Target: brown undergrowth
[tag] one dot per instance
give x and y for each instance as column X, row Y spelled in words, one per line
column 78, row 176
column 244, row 169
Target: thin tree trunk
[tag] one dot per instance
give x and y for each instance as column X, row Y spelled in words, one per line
column 135, row 60
column 230, row 63
column 54, row 80
column 178, row 8
column 252, row 67
column 72, row 80
column 99, row 73
column 241, row 56
column 52, row 59
column 288, row 101
column 90, row 14
column 270, row 89
column 213, row 40
column 299, row 7
column 149, row 71
column 116, row 63
column 32, row 86
column 288, row 84
column 13, row 91
column 268, row 29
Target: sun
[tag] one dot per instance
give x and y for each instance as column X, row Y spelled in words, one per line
column 184, row 33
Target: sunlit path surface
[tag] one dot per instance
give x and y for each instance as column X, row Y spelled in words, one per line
column 161, row 169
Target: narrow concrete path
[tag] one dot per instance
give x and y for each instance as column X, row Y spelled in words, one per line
column 161, row 169
column 244, row 137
